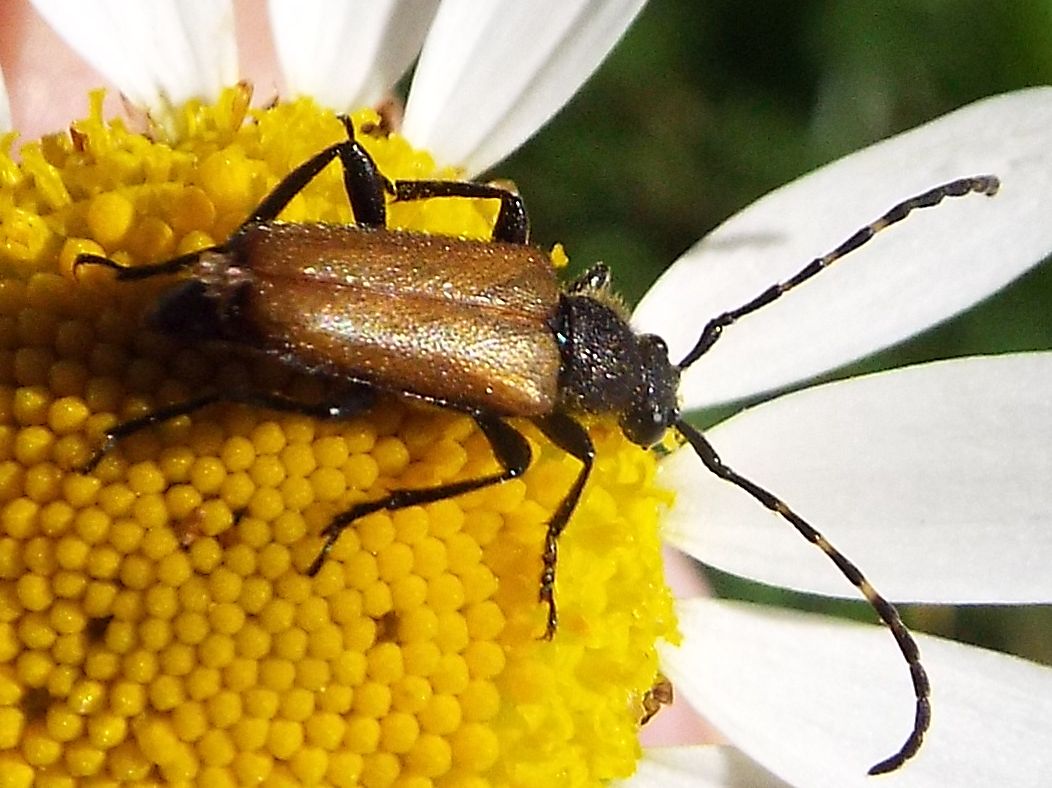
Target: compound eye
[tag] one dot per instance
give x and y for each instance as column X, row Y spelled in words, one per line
column 646, row 426
column 655, row 344
column 655, row 404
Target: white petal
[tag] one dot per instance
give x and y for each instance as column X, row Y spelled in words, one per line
column 158, row 53
column 492, row 73
column 5, row 106
column 818, row 701
column 936, row 263
column 696, row 767
column 934, row 479
column 348, row 55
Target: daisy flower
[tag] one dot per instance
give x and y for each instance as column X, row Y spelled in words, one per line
column 158, row 624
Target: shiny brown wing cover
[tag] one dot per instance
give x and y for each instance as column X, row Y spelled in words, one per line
column 464, row 322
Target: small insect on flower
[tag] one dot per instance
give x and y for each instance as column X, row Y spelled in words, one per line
column 478, row 327
column 661, row 694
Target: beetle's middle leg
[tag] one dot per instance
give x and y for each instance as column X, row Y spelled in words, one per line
column 513, row 223
column 508, row 446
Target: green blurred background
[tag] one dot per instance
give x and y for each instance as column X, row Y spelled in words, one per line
column 705, row 106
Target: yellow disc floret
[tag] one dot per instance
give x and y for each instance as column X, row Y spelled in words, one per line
column 157, row 623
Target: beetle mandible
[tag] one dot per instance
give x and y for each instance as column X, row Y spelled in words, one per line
column 489, row 333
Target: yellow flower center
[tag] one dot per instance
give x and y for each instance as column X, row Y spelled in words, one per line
column 156, row 620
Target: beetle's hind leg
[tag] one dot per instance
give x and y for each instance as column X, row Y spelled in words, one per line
column 508, row 446
column 354, row 402
column 362, row 180
column 568, row 434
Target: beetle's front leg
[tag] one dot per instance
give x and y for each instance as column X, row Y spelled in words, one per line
column 568, row 434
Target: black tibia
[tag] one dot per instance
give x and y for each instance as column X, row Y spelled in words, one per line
column 568, row 434
column 362, row 180
column 509, row 447
column 353, row 402
column 887, row 611
column 512, row 225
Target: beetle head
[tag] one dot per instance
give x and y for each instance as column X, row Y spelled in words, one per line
column 608, row 368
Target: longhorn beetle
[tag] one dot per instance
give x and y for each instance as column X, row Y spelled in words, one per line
column 480, row 327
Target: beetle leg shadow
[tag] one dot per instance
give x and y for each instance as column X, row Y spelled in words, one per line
column 568, row 434
column 354, row 402
column 509, row 447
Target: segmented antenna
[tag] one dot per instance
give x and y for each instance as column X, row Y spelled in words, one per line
column 981, row 184
column 887, row 611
